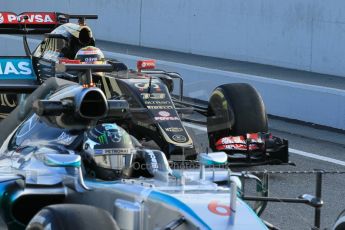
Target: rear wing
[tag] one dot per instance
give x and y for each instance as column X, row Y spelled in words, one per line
column 36, row 22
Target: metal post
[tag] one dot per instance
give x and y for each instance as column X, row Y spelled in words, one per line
column 318, row 193
column 181, row 89
column 202, row 172
column 265, row 184
column 243, row 183
column 262, row 191
column 213, row 174
column 233, row 200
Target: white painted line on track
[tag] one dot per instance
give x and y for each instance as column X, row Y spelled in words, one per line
column 315, row 156
column 291, row 150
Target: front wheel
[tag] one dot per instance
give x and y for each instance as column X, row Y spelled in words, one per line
column 72, row 217
column 235, row 110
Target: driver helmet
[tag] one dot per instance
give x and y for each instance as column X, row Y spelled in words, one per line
column 90, row 55
column 108, row 152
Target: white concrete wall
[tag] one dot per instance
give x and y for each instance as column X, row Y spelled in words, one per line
column 119, row 20
column 300, row 34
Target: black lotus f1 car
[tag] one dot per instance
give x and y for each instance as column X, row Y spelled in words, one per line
column 236, row 119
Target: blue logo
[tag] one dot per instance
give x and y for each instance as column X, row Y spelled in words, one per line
column 16, row 68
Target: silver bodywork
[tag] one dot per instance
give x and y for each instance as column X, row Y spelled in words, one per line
column 141, row 203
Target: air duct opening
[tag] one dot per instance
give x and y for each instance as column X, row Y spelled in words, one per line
column 85, row 37
column 93, row 105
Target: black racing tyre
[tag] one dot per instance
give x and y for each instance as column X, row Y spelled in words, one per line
column 340, row 222
column 235, row 109
column 72, row 217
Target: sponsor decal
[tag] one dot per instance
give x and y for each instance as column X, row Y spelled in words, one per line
column 116, row 151
column 163, row 113
column 19, row 68
column 90, row 59
column 115, row 135
column 33, row 18
column 174, row 129
column 157, row 102
column 239, row 147
column 233, row 140
column 252, row 141
column 143, row 85
column 65, row 138
column 179, row 138
column 159, row 107
column 153, row 95
column 103, row 138
column 98, row 151
column 154, row 162
column 68, row 61
column 89, row 52
column 146, row 64
column 167, row 118
column 219, row 209
column 237, row 143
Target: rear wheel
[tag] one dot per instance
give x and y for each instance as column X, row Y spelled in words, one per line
column 71, row 217
column 235, row 109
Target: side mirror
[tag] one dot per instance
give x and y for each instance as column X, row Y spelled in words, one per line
column 62, row 160
column 74, row 177
column 208, row 159
column 217, row 158
column 157, row 164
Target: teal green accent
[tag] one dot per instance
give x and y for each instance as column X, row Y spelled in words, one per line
column 75, row 164
column 97, row 183
column 209, row 162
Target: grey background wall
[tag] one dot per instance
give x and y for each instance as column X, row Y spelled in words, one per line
column 300, row 34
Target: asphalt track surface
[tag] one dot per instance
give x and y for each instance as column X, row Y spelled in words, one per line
column 310, row 148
